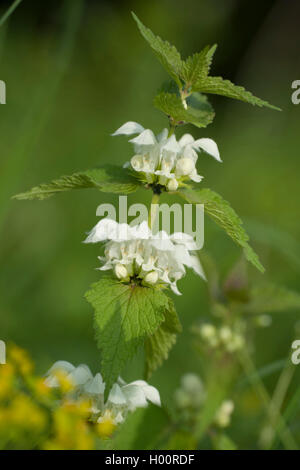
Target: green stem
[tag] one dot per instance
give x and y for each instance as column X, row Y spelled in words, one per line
column 9, row 11
column 153, row 210
column 254, row 378
column 281, row 389
column 171, row 130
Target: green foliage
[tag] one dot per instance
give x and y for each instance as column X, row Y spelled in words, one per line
column 192, row 75
column 165, row 52
column 125, row 315
column 223, row 214
column 223, row 442
column 172, row 106
column 107, row 178
column 196, row 67
column 268, row 298
column 219, row 86
column 157, row 346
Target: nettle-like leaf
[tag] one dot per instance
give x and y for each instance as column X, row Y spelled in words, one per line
column 269, row 298
column 107, row 178
column 166, row 53
column 196, row 67
column 192, row 74
column 219, row 86
column 172, row 106
column 158, row 346
column 223, row 214
column 125, row 316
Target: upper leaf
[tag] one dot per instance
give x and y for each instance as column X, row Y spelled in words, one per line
column 157, row 346
column 172, row 106
column 223, row 214
column 124, row 316
column 196, row 67
column 194, row 71
column 219, row 86
column 108, row 178
column 166, row 53
column 270, row 298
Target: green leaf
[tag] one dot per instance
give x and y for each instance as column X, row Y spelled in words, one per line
column 196, row 67
column 270, row 298
column 219, row 86
column 171, row 105
column 167, row 54
column 108, row 178
column 124, row 317
column 157, row 346
column 223, row 214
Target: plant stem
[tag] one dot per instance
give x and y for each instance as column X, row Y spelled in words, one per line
column 171, row 130
column 153, row 210
column 281, row 389
column 9, row 11
column 285, row 435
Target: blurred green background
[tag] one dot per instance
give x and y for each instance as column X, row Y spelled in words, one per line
column 75, row 71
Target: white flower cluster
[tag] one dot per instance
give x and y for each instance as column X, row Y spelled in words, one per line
column 221, row 337
column 163, row 160
column 191, row 394
column 223, row 415
column 123, row 398
column 190, row 398
column 137, row 255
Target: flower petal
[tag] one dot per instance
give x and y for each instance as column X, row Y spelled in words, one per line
column 116, row 396
column 209, row 146
column 129, row 128
column 145, row 138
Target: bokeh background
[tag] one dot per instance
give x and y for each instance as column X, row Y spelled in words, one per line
column 75, row 71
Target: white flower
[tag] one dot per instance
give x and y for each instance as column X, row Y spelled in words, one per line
column 136, row 254
column 191, row 393
column 223, row 415
column 122, row 399
column 163, row 160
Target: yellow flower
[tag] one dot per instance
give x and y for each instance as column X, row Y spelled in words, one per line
column 22, row 360
column 65, row 383
column 7, row 373
column 106, row 425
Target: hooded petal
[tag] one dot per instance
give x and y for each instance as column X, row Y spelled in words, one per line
column 135, row 396
column 145, row 138
column 209, row 146
column 151, row 393
column 116, row 396
column 81, row 375
column 129, row 128
column 95, row 386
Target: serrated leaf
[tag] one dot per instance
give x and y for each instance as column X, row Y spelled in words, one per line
column 124, row 316
column 166, row 53
column 196, row 67
column 158, row 346
column 171, row 105
column 219, row 86
column 108, row 178
column 198, row 101
column 270, row 298
column 224, row 215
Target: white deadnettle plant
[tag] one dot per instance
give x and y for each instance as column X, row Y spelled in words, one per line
column 122, row 399
column 137, row 255
column 162, row 159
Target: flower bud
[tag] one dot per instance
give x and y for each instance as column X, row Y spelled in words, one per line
column 121, row 271
column 151, row 278
column 137, row 162
column 172, row 185
column 185, row 166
